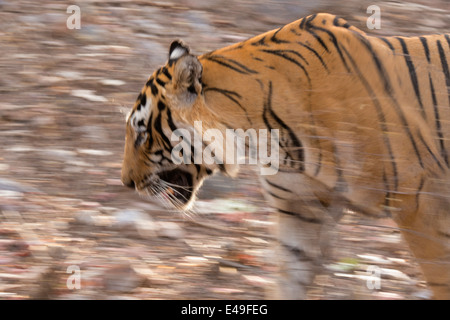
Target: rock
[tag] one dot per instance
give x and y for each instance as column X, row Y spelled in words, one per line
column 88, row 95
column 12, row 195
column 170, row 230
column 147, row 228
column 136, row 223
column 374, row 258
column 112, row 82
column 57, row 252
column 10, row 185
column 94, row 152
column 20, row 248
column 423, row 294
column 121, row 278
column 85, row 217
column 129, row 217
column 395, row 274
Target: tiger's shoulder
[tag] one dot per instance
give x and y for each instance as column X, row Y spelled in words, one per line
column 312, row 24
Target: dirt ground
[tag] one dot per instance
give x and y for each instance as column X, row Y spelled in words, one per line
column 64, row 94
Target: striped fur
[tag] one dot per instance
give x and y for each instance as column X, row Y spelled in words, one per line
column 364, row 124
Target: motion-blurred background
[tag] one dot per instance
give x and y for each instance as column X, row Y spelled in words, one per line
column 64, row 94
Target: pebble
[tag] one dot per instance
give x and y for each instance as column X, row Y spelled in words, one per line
column 94, row 152
column 374, row 258
column 112, row 82
column 121, row 278
column 136, row 223
column 70, row 74
column 395, row 274
column 86, row 217
column 130, row 217
column 170, row 230
column 10, row 185
column 147, row 228
column 88, row 95
column 9, row 194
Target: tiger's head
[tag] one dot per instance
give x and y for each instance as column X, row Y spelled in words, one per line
column 172, row 99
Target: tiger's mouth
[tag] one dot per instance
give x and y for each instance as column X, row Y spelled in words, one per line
column 177, row 186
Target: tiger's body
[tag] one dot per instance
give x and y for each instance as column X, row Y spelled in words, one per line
column 363, row 123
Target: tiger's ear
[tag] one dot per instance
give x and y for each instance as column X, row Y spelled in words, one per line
column 178, row 49
column 187, row 74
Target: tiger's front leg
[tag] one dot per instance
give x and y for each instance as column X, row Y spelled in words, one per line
column 424, row 221
column 304, row 213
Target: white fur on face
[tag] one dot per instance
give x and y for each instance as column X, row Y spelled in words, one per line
column 127, row 117
column 139, row 118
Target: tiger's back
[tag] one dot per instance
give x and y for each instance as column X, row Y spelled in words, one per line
column 363, row 123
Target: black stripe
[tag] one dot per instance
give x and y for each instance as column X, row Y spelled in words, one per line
column 446, row 71
column 319, row 39
column 337, row 23
column 260, row 42
column 387, row 42
column 277, row 186
column 275, row 195
column 231, row 64
column 444, row 66
column 187, row 141
column 387, row 203
column 311, row 18
column 165, row 71
column 419, row 189
column 302, row 23
column 388, row 88
column 438, row 124
column 296, row 53
column 172, row 125
column 319, row 161
column 275, row 39
column 412, row 73
column 139, row 97
column 380, row 68
column 149, row 131
column 419, row 134
column 301, row 256
column 341, row 184
column 161, row 153
column 333, row 40
column 160, row 82
column 150, row 83
column 154, row 89
column 138, row 140
column 143, row 99
column 233, row 96
column 159, row 130
column 380, row 115
column 282, row 54
column 423, row 40
column 315, row 53
column 150, row 161
column 161, row 105
column 297, row 215
column 298, row 147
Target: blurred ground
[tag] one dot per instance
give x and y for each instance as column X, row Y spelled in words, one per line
column 63, row 98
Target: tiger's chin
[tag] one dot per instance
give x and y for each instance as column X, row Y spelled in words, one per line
column 174, row 186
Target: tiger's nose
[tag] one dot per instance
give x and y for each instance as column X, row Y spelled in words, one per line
column 130, row 183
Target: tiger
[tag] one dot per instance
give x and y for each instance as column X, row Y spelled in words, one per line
column 363, row 125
